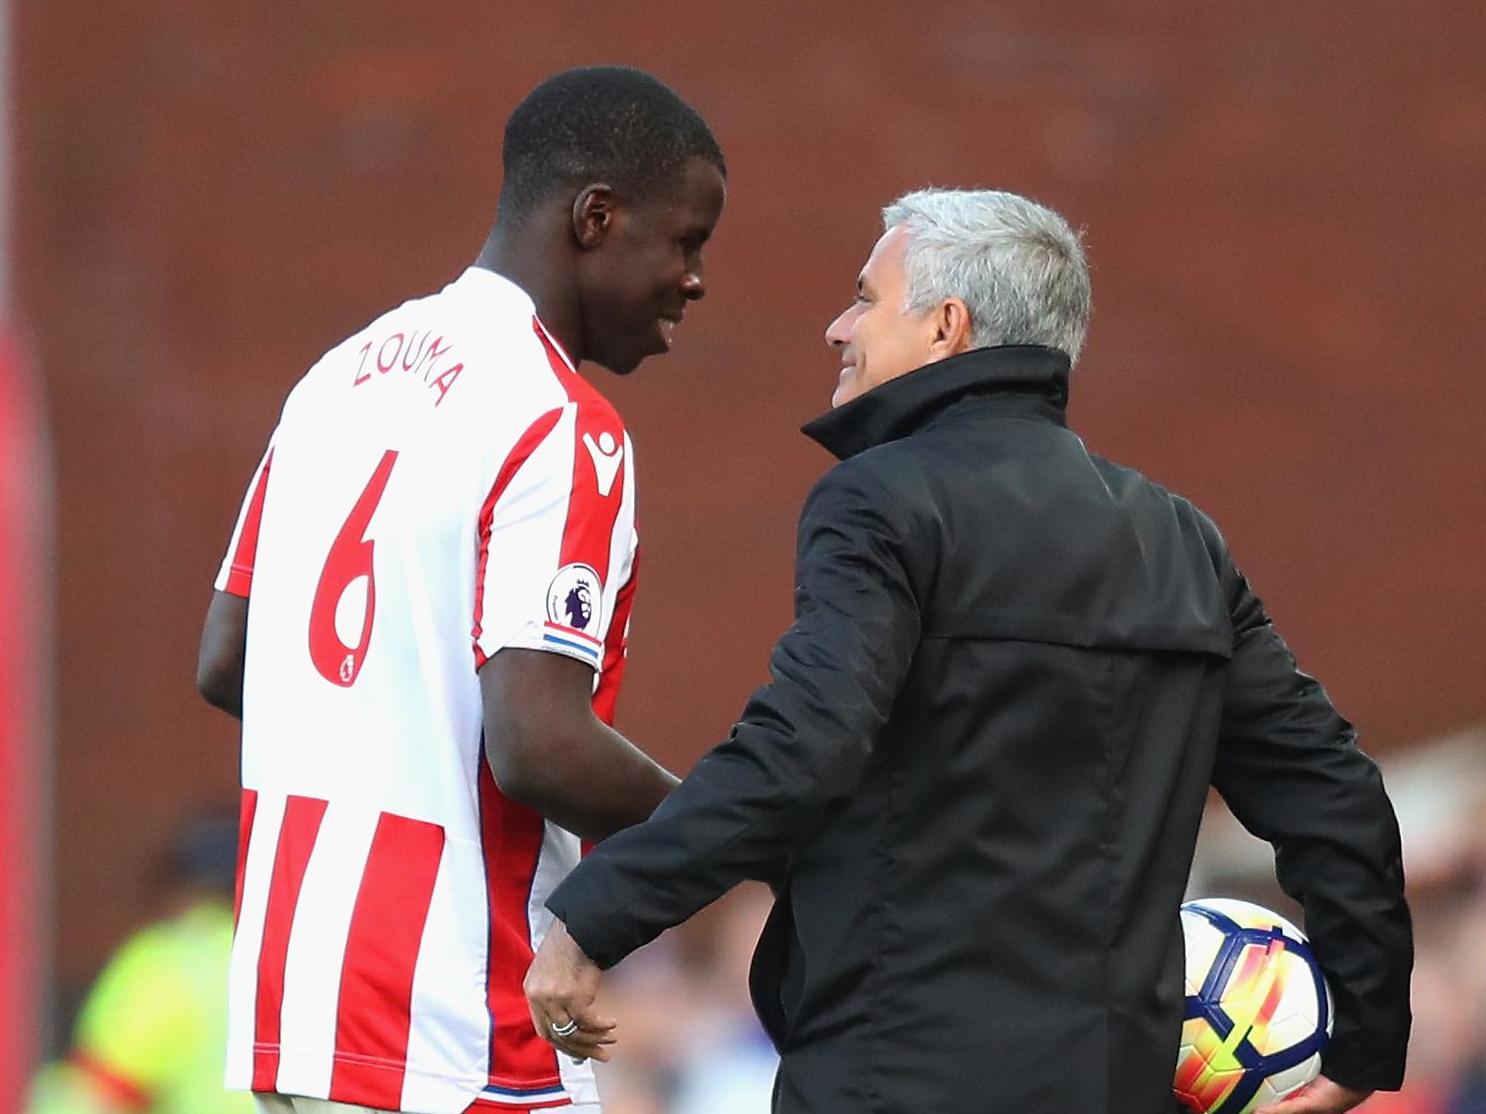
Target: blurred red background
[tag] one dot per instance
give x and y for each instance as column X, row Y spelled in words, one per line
column 1283, row 211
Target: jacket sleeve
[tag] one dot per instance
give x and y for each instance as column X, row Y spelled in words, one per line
column 1289, row 767
column 803, row 740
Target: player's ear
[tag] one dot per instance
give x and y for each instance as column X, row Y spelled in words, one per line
column 593, row 215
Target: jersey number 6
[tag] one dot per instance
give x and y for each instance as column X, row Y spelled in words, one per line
column 350, row 556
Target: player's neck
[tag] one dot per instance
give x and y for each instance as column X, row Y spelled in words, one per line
column 526, row 260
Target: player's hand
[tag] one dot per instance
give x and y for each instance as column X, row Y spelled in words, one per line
column 1320, row 1096
column 560, row 987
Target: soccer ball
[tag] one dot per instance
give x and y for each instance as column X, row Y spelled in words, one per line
column 1258, row 1011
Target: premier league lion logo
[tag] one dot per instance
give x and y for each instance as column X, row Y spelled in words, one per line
column 578, row 606
column 574, row 598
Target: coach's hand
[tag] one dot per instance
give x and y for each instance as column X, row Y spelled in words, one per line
column 560, row 986
column 1321, row 1096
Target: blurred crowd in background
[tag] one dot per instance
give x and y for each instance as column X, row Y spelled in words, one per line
column 148, row 1036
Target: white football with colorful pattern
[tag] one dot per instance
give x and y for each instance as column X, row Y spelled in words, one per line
column 1258, row 1011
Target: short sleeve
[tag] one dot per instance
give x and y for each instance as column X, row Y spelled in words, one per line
column 555, row 534
column 236, row 574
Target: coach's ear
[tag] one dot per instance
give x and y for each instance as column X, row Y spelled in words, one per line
column 593, row 215
column 952, row 329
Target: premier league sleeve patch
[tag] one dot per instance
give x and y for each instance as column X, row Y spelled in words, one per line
column 574, row 605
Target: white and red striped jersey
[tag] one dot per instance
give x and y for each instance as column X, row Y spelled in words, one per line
column 440, row 486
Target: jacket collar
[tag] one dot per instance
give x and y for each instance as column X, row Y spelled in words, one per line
column 1027, row 380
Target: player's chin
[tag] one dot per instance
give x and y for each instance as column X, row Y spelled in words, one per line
column 657, row 339
column 650, row 350
column 619, row 364
column 622, row 361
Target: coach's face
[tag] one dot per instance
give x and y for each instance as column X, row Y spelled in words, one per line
column 877, row 338
column 643, row 264
column 880, row 340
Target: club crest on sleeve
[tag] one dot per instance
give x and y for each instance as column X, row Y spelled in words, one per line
column 574, row 598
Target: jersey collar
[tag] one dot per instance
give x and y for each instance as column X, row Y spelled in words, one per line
column 501, row 286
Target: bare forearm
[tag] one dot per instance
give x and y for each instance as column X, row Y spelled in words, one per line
column 550, row 752
column 594, row 784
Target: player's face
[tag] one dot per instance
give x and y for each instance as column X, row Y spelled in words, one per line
column 637, row 284
column 877, row 339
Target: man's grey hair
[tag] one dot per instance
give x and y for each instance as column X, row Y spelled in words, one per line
column 1018, row 267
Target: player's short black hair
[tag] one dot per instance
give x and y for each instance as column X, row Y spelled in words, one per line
column 601, row 123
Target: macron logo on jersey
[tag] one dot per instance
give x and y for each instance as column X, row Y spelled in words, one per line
column 607, row 453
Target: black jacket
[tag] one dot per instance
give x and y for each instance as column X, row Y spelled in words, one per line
column 977, row 775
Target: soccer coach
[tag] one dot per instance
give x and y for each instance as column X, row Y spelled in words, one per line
column 977, row 775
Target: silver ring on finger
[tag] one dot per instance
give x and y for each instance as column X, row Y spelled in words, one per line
column 566, row 1029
